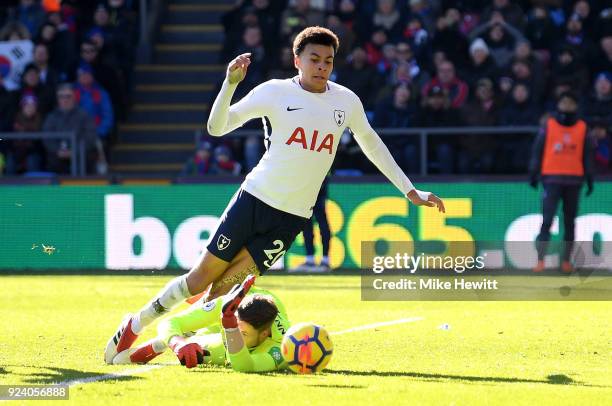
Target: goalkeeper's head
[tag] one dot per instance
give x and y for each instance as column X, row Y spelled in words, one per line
column 255, row 316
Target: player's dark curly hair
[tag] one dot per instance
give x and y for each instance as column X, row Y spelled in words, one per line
column 258, row 310
column 315, row 35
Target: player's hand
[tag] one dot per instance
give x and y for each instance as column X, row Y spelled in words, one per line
column 189, row 354
column 237, row 69
column 432, row 200
column 232, row 300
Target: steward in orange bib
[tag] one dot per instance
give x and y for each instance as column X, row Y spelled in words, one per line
column 562, row 160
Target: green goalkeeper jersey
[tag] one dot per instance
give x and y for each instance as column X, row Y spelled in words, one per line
column 265, row 357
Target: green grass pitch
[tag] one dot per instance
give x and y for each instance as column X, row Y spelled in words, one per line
column 54, row 329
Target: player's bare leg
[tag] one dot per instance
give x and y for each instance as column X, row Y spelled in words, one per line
column 241, row 266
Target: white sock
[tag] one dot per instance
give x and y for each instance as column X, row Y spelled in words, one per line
column 325, row 260
column 310, row 259
column 159, row 345
column 173, row 293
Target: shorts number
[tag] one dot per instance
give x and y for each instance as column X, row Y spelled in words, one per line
column 275, row 253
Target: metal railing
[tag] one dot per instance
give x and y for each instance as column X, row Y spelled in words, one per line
column 424, row 133
column 77, row 158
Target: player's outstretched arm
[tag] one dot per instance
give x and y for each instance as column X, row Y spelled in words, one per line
column 240, row 357
column 222, row 118
column 189, row 354
column 377, row 152
column 420, row 198
column 237, row 69
column 244, row 361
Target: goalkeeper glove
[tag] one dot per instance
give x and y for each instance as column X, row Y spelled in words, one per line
column 190, row 354
column 232, row 300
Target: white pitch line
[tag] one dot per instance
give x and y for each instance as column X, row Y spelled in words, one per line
column 381, row 324
column 147, row 368
column 135, row 371
column 91, row 379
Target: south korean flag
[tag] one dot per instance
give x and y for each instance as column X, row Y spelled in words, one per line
column 14, row 56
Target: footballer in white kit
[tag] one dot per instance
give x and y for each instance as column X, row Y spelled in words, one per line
column 307, row 115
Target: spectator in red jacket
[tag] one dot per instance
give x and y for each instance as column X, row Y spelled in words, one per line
column 25, row 155
column 201, row 163
column 445, row 78
column 600, row 131
column 224, row 163
column 374, row 46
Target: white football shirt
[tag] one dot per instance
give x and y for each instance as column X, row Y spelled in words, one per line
column 303, row 139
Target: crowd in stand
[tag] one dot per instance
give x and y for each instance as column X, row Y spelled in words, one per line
column 75, row 79
column 413, row 63
column 435, row 63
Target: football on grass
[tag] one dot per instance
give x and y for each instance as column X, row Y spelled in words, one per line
column 307, row 348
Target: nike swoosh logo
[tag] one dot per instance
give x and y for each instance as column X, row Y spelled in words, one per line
column 297, row 108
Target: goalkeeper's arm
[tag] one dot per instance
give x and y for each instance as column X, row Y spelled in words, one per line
column 173, row 329
column 240, row 357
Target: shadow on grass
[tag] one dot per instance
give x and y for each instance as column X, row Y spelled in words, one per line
column 53, row 375
column 550, row 379
column 338, row 386
column 561, row 380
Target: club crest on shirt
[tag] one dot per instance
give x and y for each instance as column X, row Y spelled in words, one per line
column 223, row 242
column 276, row 355
column 339, row 117
column 208, row 306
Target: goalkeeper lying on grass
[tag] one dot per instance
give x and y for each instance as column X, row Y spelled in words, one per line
column 244, row 330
